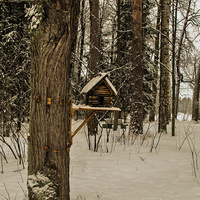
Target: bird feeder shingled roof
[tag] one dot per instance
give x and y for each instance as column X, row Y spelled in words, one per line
column 99, row 91
column 94, row 81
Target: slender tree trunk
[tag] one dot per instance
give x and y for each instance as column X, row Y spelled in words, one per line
column 195, row 106
column 164, row 107
column 179, row 55
column 174, row 27
column 94, row 36
column 19, row 117
column 82, row 40
column 82, row 24
column 136, row 124
column 116, row 113
column 51, row 46
column 94, row 54
column 112, row 46
column 118, row 32
column 156, row 59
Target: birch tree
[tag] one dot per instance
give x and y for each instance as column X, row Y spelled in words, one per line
column 156, row 64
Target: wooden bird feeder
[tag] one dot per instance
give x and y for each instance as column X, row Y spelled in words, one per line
column 99, row 91
column 99, row 95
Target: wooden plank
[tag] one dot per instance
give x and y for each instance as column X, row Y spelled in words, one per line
column 101, row 91
column 89, row 108
column 74, row 107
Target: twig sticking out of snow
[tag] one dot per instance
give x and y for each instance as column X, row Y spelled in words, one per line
column 4, row 141
column 1, row 164
column 80, row 198
column 3, row 155
column 6, row 192
column 194, row 153
column 25, row 194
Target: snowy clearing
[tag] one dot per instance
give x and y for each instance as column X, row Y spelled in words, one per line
column 126, row 172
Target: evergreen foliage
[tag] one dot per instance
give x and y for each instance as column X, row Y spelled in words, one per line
column 14, row 64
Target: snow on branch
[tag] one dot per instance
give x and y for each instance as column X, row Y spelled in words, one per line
column 34, row 14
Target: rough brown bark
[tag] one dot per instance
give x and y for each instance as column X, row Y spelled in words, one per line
column 51, row 45
column 94, row 54
column 94, row 36
column 164, row 107
column 116, row 113
column 136, row 124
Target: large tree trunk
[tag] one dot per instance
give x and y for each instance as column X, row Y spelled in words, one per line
column 136, row 124
column 164, row 107
column 51, row 45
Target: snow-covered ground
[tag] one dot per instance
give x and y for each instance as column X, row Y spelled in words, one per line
column 13, row 176
column 126, row 172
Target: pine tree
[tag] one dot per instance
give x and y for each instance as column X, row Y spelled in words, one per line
column 136, row 124
column 164, row 107
column 94, row 55
column 14, row 64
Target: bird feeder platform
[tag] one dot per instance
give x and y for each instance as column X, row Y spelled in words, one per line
column 93, row 110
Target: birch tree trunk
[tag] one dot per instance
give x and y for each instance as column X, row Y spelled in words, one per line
column 164, row 107
column 51, row 46
column 156, row 61
column 136, row 123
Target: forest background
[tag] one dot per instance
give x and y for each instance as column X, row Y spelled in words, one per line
column 151, row 55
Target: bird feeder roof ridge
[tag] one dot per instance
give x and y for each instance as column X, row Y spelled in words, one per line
column 94, row 81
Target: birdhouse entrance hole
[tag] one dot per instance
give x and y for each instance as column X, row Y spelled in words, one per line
column 101, row 100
